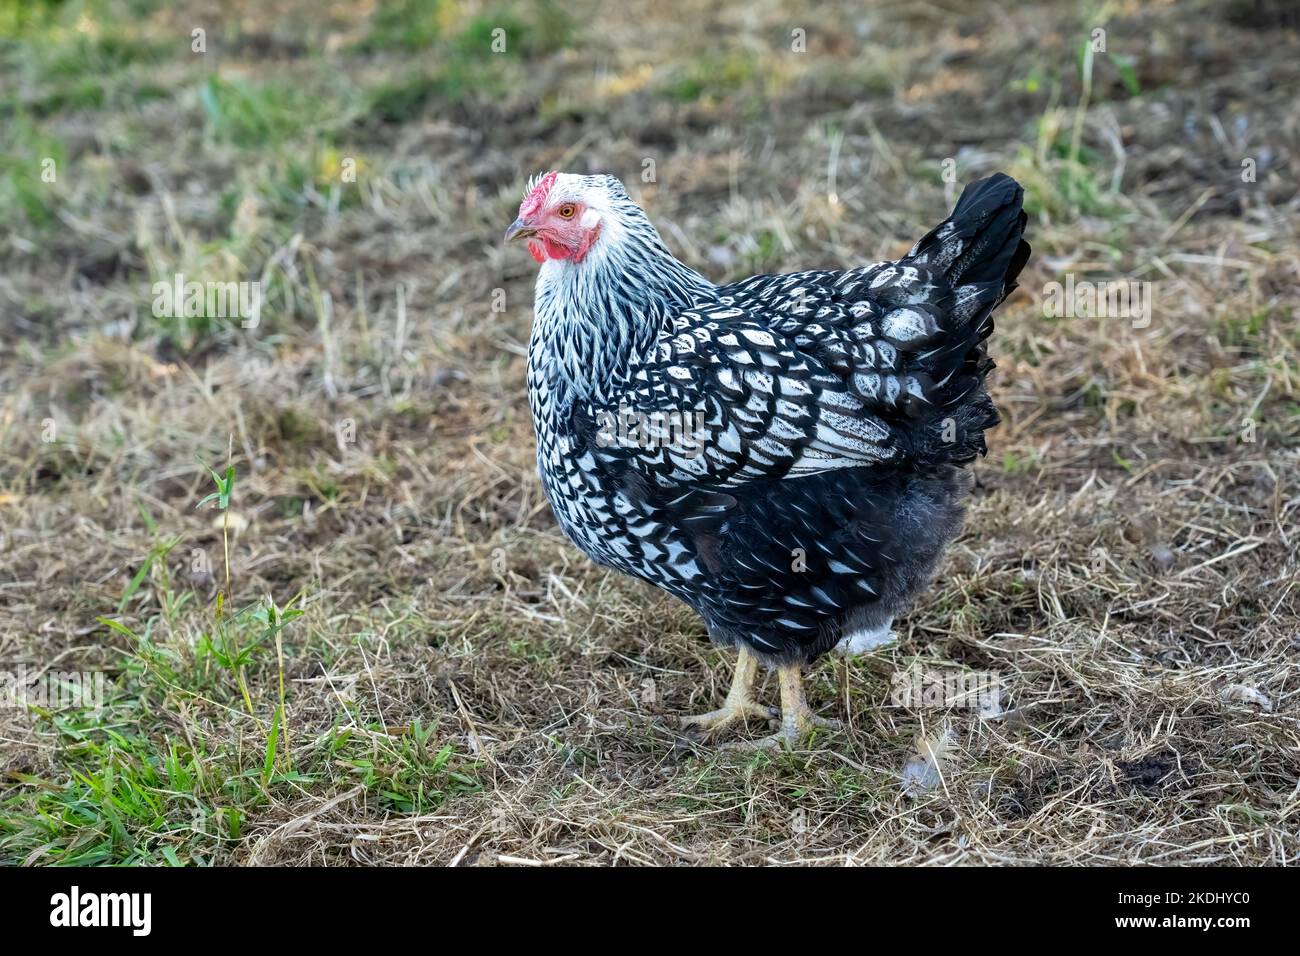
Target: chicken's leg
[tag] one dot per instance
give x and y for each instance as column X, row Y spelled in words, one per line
column 739, row 704
column 797, row 721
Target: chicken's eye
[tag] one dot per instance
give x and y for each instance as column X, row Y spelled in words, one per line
column 567, row 210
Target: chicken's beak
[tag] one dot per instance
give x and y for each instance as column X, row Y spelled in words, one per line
column 519, row 230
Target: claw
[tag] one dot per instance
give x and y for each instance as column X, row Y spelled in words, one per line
column 790, row 737
column 728, row 714
column 797, row 721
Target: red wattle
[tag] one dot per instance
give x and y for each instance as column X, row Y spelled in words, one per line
column 535, row 250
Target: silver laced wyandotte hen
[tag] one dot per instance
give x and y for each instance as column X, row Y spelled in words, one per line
column 784, row 453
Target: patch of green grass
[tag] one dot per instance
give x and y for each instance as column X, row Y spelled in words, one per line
column 191, row 331
column 762, row 255
column 1062, row 175
column 71, row 54
column 138, row 778
column 133, row 789
column 406, row 25
column 529, row 30
column 252, row 115
column 476, row 63
column 278, row 191
column 714, row 77
column 120, row 797
column 31, row 164
column 84, row 93
column 1014, row 464
column 101, row 54
column 493, row 34
column 396, row 101
column 1058, row 186
column 543, row 29
column 1242, row 330
column 453, row 83
column 1087, row 61
column 405, row 768
column 23, row 18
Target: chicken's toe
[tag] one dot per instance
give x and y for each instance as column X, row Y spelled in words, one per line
column 728, row 714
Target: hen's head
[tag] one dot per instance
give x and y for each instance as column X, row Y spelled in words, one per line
column 564, row 216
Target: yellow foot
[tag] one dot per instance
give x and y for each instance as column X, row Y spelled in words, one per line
column 789, row 737
column 797, row 721
column 728, row 714
column 739, row 705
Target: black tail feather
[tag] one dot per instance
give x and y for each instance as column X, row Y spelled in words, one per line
column 981, row 241
column 980, row 250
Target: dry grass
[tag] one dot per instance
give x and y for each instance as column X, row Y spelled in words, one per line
column 462, row 685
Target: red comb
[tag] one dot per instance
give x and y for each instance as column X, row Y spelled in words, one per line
column 537, row 195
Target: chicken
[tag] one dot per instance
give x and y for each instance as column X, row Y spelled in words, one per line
column 784, row 453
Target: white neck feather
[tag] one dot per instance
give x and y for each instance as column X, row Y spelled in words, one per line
column 595, row 317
